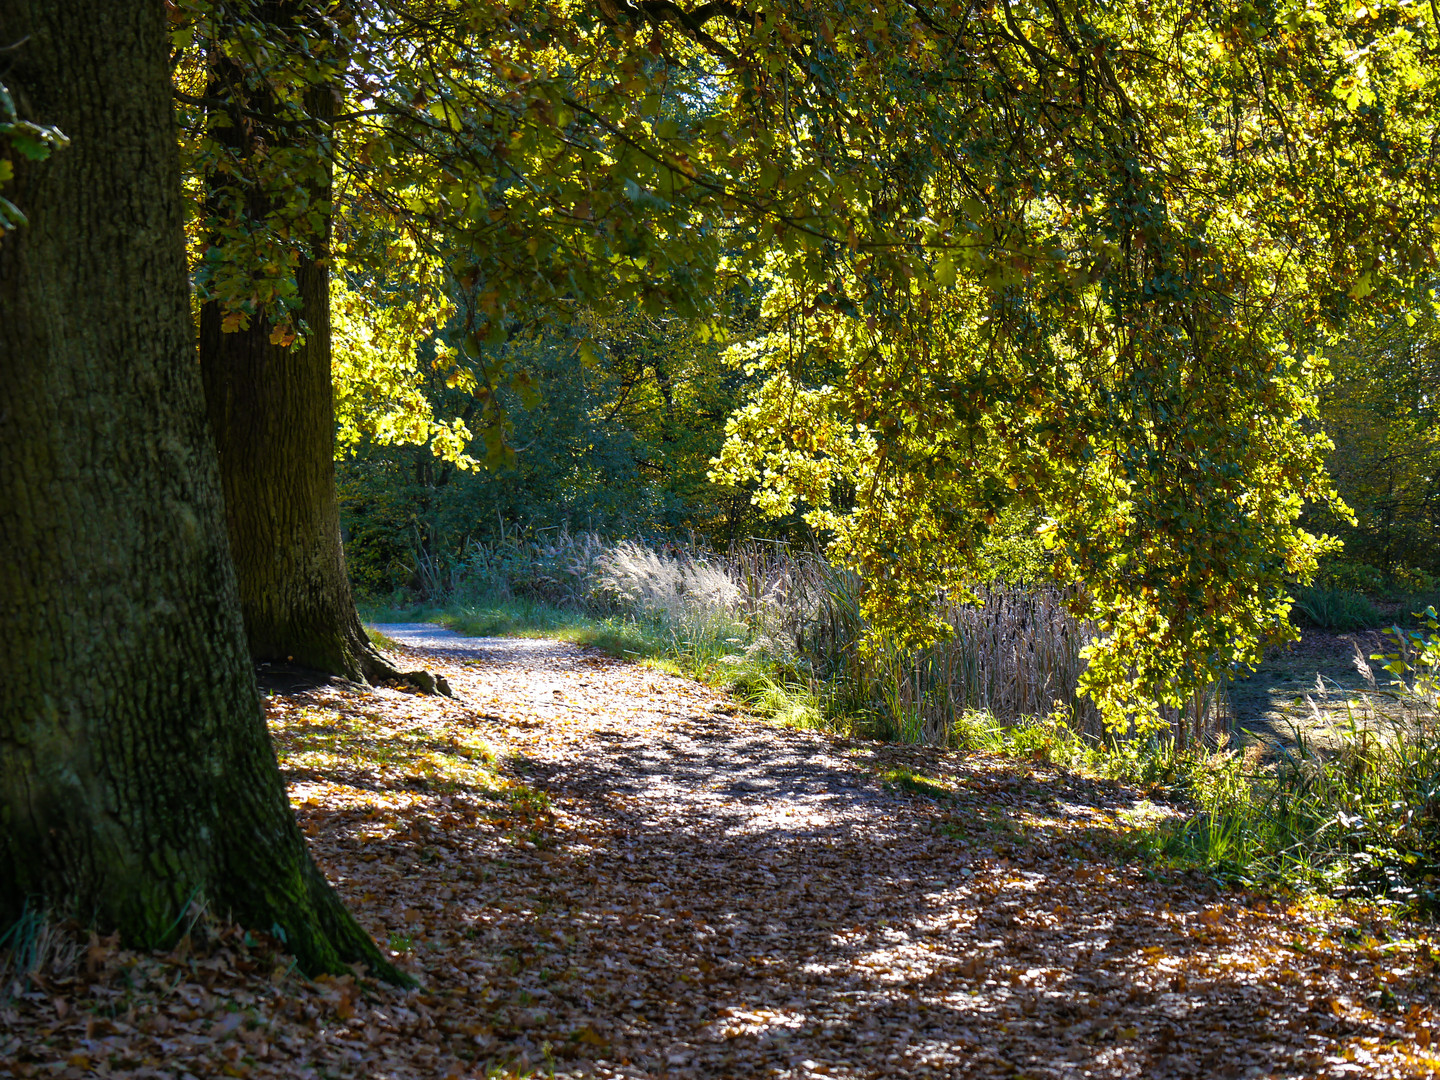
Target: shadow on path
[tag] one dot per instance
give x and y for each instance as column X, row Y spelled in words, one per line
column 714, row 897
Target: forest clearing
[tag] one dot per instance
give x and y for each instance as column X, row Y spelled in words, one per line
column 594, row 868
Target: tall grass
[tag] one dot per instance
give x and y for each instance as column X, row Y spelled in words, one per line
column 36, row 945
column 552, row 566
column 1014, row 656
column 1360, row 820
column 782, row 626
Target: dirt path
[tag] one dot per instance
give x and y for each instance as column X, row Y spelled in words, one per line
column 595, row 869
column 715, row 897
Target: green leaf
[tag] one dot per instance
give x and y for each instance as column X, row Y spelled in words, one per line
column 945, row 269
column 10, row 215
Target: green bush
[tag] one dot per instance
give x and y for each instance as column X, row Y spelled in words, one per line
column 1363, row 820
column 1412, row 581
column 1335, row 609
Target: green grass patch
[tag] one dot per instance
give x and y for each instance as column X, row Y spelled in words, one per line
column 903, row 778
column 379, row 640
column 1358, row 822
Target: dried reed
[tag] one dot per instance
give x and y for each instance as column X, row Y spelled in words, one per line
column 1014, row 656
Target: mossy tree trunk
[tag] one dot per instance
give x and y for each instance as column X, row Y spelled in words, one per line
column 136, row 773
column 271, row 405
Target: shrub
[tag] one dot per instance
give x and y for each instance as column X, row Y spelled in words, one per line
column 1335, row 609
column 1363, row 820
column 1412, row 581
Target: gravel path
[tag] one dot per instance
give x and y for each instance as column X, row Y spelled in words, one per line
column 501, row 650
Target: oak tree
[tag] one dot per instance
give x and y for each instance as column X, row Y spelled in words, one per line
column 136, row 773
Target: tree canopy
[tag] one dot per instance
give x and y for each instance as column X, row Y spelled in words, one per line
column 1071, row 262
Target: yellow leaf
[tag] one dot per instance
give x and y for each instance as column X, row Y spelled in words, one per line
column 1362, row 287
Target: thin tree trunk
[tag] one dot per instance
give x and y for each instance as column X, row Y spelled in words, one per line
column 272, row 412
column 136, row 773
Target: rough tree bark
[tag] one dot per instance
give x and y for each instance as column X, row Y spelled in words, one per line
column 272, row 408
column 136, row 773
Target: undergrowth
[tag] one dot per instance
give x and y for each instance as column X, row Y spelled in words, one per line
column 1336, row 609
column 1362, row 820
column 34, row 947
column 1359, row 821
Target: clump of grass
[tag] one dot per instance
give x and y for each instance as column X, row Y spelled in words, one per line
column 1361, row 820
column 35, row 945
column 1013, row 656
column 552, row 566
column 678, row 587
column 790, row 705
column 379, row 640
column 1336, row 609
column 903, row 778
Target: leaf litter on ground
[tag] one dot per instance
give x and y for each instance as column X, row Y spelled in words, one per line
column 598, row 869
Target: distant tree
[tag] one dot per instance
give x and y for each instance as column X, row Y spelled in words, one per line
column 621, row 443
column 273, row 80
column 136, row 774
column 1382, row 415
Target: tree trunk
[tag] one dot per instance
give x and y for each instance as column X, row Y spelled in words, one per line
column 272, row 407
column 136, row 773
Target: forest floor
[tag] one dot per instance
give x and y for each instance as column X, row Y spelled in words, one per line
column 597, row 869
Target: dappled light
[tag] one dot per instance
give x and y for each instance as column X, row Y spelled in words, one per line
column 708, row 896
column 595, row 868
